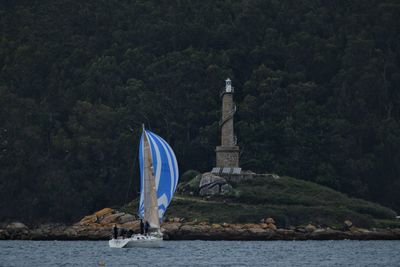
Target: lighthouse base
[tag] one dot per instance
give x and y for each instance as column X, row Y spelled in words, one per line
column 227, row 156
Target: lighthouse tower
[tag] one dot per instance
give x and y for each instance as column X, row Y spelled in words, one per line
column 228, row 151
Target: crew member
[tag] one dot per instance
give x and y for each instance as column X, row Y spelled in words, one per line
column 115, row 231
column 141, row 227
column 146, row 227
column 130, row 233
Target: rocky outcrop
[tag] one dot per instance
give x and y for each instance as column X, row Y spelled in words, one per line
column 98, row 226
column 15, row 230
column 211, row 184
column 310, row 228
column 197, row 231
column 126, row 218
column 108, row 217
column 112, row 218
column 347, row 225
column 204, row 231
column 268, row 223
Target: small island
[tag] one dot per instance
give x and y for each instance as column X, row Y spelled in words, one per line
column 267, row 207
column 229, row 203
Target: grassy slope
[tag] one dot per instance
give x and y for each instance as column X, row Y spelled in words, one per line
column 289, row 201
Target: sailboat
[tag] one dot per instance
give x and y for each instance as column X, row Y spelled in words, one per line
column 159, row 175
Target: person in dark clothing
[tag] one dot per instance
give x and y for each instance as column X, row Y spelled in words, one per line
column 122, row 232
column 146, row 227
column 141, row 227
column 130, row 233
column 115, row 231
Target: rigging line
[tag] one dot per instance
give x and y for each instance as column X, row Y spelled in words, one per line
column 133, row 170
column 130, row 179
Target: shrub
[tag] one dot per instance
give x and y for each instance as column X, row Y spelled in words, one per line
column 188, row 175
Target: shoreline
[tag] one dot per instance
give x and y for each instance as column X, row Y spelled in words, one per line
column 199, row 231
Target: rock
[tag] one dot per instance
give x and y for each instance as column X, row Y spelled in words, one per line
column 226, row 188
column 256, row 230
column 210, row 190
column 354, row 229
column 112, row 218
column 3, row 235
column 208, row 178
column 286, row 234
column 194, row 222
column 172, row 227
column 133, row 225
column 216, row 226
column 211, row 184
column 300, row 230
column 176, row 219
column 88, row 219
column 126, row 218
column 237, row 226
column 396, row 231
column 275, row 176
column 103, row 212
column 270, row 220
column 71, row 232
column 250, row 225
column 192, row 232
column 347, row 224
column 327, row 234
column 99, row 233
column 202, row 231
column 104, row 216
column 310, row 228
column 16, row 230
column 16, row 226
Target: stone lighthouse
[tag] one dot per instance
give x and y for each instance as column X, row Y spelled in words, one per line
column 228, row 151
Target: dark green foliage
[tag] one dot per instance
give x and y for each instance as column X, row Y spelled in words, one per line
column 289, row 191
column 316, row 88
column 303, row 195
column 188, row 175
column 289, row 201
column 285, row 215
column 190, row 187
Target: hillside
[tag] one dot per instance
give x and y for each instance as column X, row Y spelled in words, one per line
column 316, row 88
column 291, row 202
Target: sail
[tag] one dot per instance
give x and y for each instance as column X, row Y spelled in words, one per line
column 149, row 186
column 164, row 168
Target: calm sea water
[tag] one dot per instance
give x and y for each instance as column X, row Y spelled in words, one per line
column 202, row 253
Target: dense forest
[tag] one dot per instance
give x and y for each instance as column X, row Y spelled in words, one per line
column 317, row 85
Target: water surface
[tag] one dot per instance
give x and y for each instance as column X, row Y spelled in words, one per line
column 202, row 253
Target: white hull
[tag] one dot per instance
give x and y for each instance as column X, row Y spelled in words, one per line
column 137, row 241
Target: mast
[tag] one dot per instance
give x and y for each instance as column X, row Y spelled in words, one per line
column 149, row 186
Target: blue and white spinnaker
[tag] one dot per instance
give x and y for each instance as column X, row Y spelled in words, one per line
column 165, row 169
